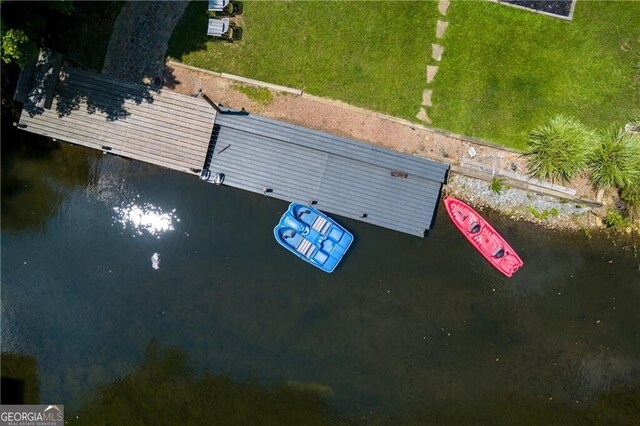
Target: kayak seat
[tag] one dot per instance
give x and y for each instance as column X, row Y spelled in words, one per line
column 498, row 254
column 474, row 228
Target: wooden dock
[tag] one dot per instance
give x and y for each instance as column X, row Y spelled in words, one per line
column 191, row 134
column 132, row 120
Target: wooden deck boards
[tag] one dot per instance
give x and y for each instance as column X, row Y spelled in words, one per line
column 133, row 120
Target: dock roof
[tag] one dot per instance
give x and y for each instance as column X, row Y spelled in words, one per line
column 132, row 120
column 336, row 174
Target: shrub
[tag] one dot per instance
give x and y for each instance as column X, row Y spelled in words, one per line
column 631, row 194
column 615, row 161
column 614, row 219
column 497, row 185
column 559, row 149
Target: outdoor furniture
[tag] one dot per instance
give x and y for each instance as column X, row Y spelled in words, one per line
column 218, row 27
column 217, row 5
column 234, row 33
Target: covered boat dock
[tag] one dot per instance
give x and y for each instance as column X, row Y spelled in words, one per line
column 334, row 174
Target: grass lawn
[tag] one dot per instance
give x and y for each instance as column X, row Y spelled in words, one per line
column 370, row 54
column 504, row 71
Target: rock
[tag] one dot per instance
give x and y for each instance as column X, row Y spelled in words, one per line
column 441, row 27
column 436, row 51
column 431, row 72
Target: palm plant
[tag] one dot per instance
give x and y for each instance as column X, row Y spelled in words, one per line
column 615, row 161
column 497, row 185
column 559, row 149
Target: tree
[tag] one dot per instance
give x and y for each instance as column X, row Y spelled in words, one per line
column 16, row 47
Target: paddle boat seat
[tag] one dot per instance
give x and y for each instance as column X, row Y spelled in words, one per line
column 305, row 248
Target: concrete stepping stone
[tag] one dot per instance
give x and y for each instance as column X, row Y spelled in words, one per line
column 422, row 115
column 441, row 27
column 443, row 5
column 436, row 51
column 426, row 97
column 431, row 72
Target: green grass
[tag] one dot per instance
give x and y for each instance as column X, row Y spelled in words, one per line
column 505, row 71
column 370, row 54
column 258, row 94
column 544, row 214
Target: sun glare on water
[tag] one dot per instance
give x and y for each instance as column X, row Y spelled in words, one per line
column 145, row 218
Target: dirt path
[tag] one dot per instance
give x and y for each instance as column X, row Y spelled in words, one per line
column 339, row 118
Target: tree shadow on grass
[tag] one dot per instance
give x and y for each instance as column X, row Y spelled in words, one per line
column 190, row 35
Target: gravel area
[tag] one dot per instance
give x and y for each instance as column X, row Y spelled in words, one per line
column 139, row 40
column 524, row 205
column 555, row 7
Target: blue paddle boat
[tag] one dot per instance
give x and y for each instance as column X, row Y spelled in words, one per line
column 313, row 236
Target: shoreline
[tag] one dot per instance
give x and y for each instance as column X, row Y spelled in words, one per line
column 475, row 162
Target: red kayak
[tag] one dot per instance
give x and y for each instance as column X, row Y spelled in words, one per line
column 483, row 237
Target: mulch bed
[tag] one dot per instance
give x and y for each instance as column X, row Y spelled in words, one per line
column 555, row 7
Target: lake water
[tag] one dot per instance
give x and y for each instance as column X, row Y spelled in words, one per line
column 105, row 260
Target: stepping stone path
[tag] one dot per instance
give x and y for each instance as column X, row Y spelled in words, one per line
column 443, row 5
column 139, row 40
column 441, row 28
column 436, row 51
column 436, row 54
column 422, row 116
column 426, row 97
column 431, row 72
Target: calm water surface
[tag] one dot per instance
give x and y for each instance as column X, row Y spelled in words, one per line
column 104, row 258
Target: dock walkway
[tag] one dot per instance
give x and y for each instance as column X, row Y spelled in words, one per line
column 192, row 135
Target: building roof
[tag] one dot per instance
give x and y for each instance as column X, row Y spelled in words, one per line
column 132, row 120
column 342, row 176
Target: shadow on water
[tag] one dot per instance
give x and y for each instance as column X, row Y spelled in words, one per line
column 166, row 389
column 19, row 379
column 35, row 177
